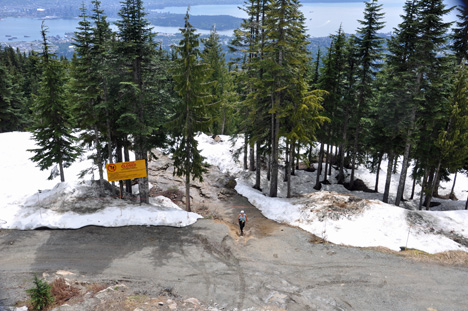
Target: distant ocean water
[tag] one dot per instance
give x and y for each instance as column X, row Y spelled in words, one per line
column 322, row 19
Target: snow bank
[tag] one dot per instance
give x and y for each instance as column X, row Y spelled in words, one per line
column 31, row 201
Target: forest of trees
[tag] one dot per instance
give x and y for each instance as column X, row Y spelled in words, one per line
column 364, row 99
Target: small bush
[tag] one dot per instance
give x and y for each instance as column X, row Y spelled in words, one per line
column 63, row 292
column 41, row 296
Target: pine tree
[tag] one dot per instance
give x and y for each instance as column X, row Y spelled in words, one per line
column 424, row 71
column 14, row 109
column 460, row 34
column 84, row 90
column 348, row 101
column 52, row 127
column 193, row 112
column 284, row 66
column 137, row 49
column 100, row 53
column 369, row 54
column 452, row 141
column 220, row 79
column 249, row 44
column 332, row 79
column 10, row 117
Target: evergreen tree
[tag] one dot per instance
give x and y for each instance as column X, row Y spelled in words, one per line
column 101, row 39
column 460, row 34
column 137, row 49
column 193, row 112
column 14, row 108
column 332, row 79
column 52, row 127
column 397, row 107
column 348, row 101
column 452, row 141
column 369, row 54
column 284, row 67
column 249, row 42
column 214, row 56
column 84, row 90
column 10, row 116
column 425, row 71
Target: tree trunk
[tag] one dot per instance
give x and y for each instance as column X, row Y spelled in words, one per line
column 404, row 165
column 293, row 159
column 325, row 175
column 245, row 151
column 187, row 193
column 432, row 183
column 289, row 164
column 274, row 157
column 404, row 170
column 188, row 170
column 413, row 189
column 109, row 140
column 269, row 167
column 287, row 161
column 298, row 156
column 251, row 157
column 258, row 168
column 98, row 156
column 62, row 173
column 376, row 189
column 143, row 184
column 332, row 156
column 451, row 196
column 128, row 182
column 423, row 189
column 414, row 181
column 388, row 180
column 435, row 193
column 119, row 159
column 318, row 185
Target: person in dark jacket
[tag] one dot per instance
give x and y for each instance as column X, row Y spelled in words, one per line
column 242, row 219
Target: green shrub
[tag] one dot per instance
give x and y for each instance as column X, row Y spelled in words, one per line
column 40, row 295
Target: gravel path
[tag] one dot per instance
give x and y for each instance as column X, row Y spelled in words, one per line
column 272, row 266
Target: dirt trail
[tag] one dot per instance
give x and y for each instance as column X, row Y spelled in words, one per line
column 257, row 226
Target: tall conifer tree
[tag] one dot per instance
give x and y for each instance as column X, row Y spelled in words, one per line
column 460, row 34
column 193, row 112
column 52, row 127
column 369, row 44
column 137, row 49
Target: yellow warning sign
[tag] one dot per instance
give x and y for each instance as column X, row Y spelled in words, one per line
column 126, row 170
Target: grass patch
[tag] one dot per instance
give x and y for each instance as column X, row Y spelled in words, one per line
column 450, row 258
column 62, row 292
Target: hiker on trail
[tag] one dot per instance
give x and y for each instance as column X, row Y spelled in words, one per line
column 242, row 219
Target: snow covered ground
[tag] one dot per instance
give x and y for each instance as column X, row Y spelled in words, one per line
column 30, row 201
column 352, row 218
